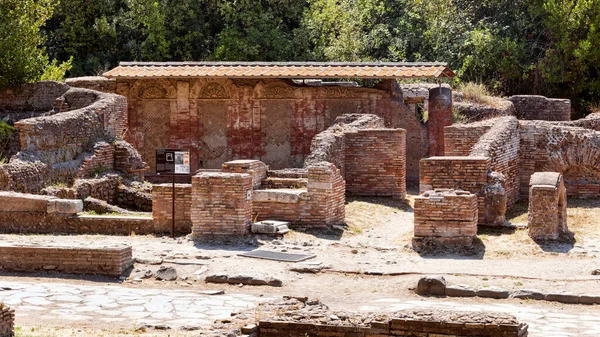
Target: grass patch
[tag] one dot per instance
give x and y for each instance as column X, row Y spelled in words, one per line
column 477, row 93
column 363, row 213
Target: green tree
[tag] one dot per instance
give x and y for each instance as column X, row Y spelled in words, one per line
column 21, row 57
column 265, row 30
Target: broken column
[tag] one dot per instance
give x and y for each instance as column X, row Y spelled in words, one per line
column 547, row 206
column 440, row 115
column 445, row 218
column 221, row 204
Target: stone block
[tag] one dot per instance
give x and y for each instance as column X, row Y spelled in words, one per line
column 526, row 294
column 270, row 227
column 492, row 292
column 562, row 298
column 589, row 299
column 65, row 206
column 460, row 290
column 431, row 285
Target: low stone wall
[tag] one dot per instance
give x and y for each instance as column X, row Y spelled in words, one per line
column 112, row 261
column 162, row 208
column 134, row 199
column 422, row 323
column 375, row 161
column 7, row 321
column 533, row 107
column 39, row 214
column 446, row 218
column 222, row 204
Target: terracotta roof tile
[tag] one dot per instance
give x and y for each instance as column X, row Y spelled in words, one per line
column 279, row 70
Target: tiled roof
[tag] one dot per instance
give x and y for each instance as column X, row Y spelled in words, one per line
column 279, row 70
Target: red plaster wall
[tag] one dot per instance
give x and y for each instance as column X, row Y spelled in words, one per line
column 270, row 120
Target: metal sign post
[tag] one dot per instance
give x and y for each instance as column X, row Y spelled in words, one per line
column 172, row 162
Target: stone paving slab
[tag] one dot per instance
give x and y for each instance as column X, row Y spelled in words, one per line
column 118, row 306
column 543, row 322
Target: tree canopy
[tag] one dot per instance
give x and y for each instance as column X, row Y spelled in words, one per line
column 546, row 47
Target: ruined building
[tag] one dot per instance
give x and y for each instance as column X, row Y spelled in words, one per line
column 268, row 111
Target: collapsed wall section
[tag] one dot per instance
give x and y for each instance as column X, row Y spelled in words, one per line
column 572, row 151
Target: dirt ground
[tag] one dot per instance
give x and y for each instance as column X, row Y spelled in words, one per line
column 376, row 240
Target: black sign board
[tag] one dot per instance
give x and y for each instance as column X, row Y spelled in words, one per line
column 172, row 162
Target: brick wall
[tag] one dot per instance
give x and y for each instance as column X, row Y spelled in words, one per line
column 162, row 208
column 501, row 144
column 320, row 205
column 222, row 204
column 532, row 107
column 556, row 147
column 466, row 173
column 28, row 213
column 459, row 139
column 7, row 320
column 375, row 162
column 103, row 159
column 111, row 261
column 446, row 216
column 255, row 168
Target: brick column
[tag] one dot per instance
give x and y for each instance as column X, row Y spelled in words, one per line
column 326, row 189
column 221, row 204
column 440, row 115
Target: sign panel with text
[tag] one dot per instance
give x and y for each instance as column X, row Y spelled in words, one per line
column 172, row 161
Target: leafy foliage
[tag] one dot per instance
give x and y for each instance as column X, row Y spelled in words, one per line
column 544, row 47
column 21, row 58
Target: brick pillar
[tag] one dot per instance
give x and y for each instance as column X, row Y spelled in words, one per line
column 221, row 204
column 547, row 206
column 326, row 188
column 440, row 115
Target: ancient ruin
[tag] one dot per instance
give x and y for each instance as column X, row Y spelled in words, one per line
column 547, row 206
column 291, row 162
